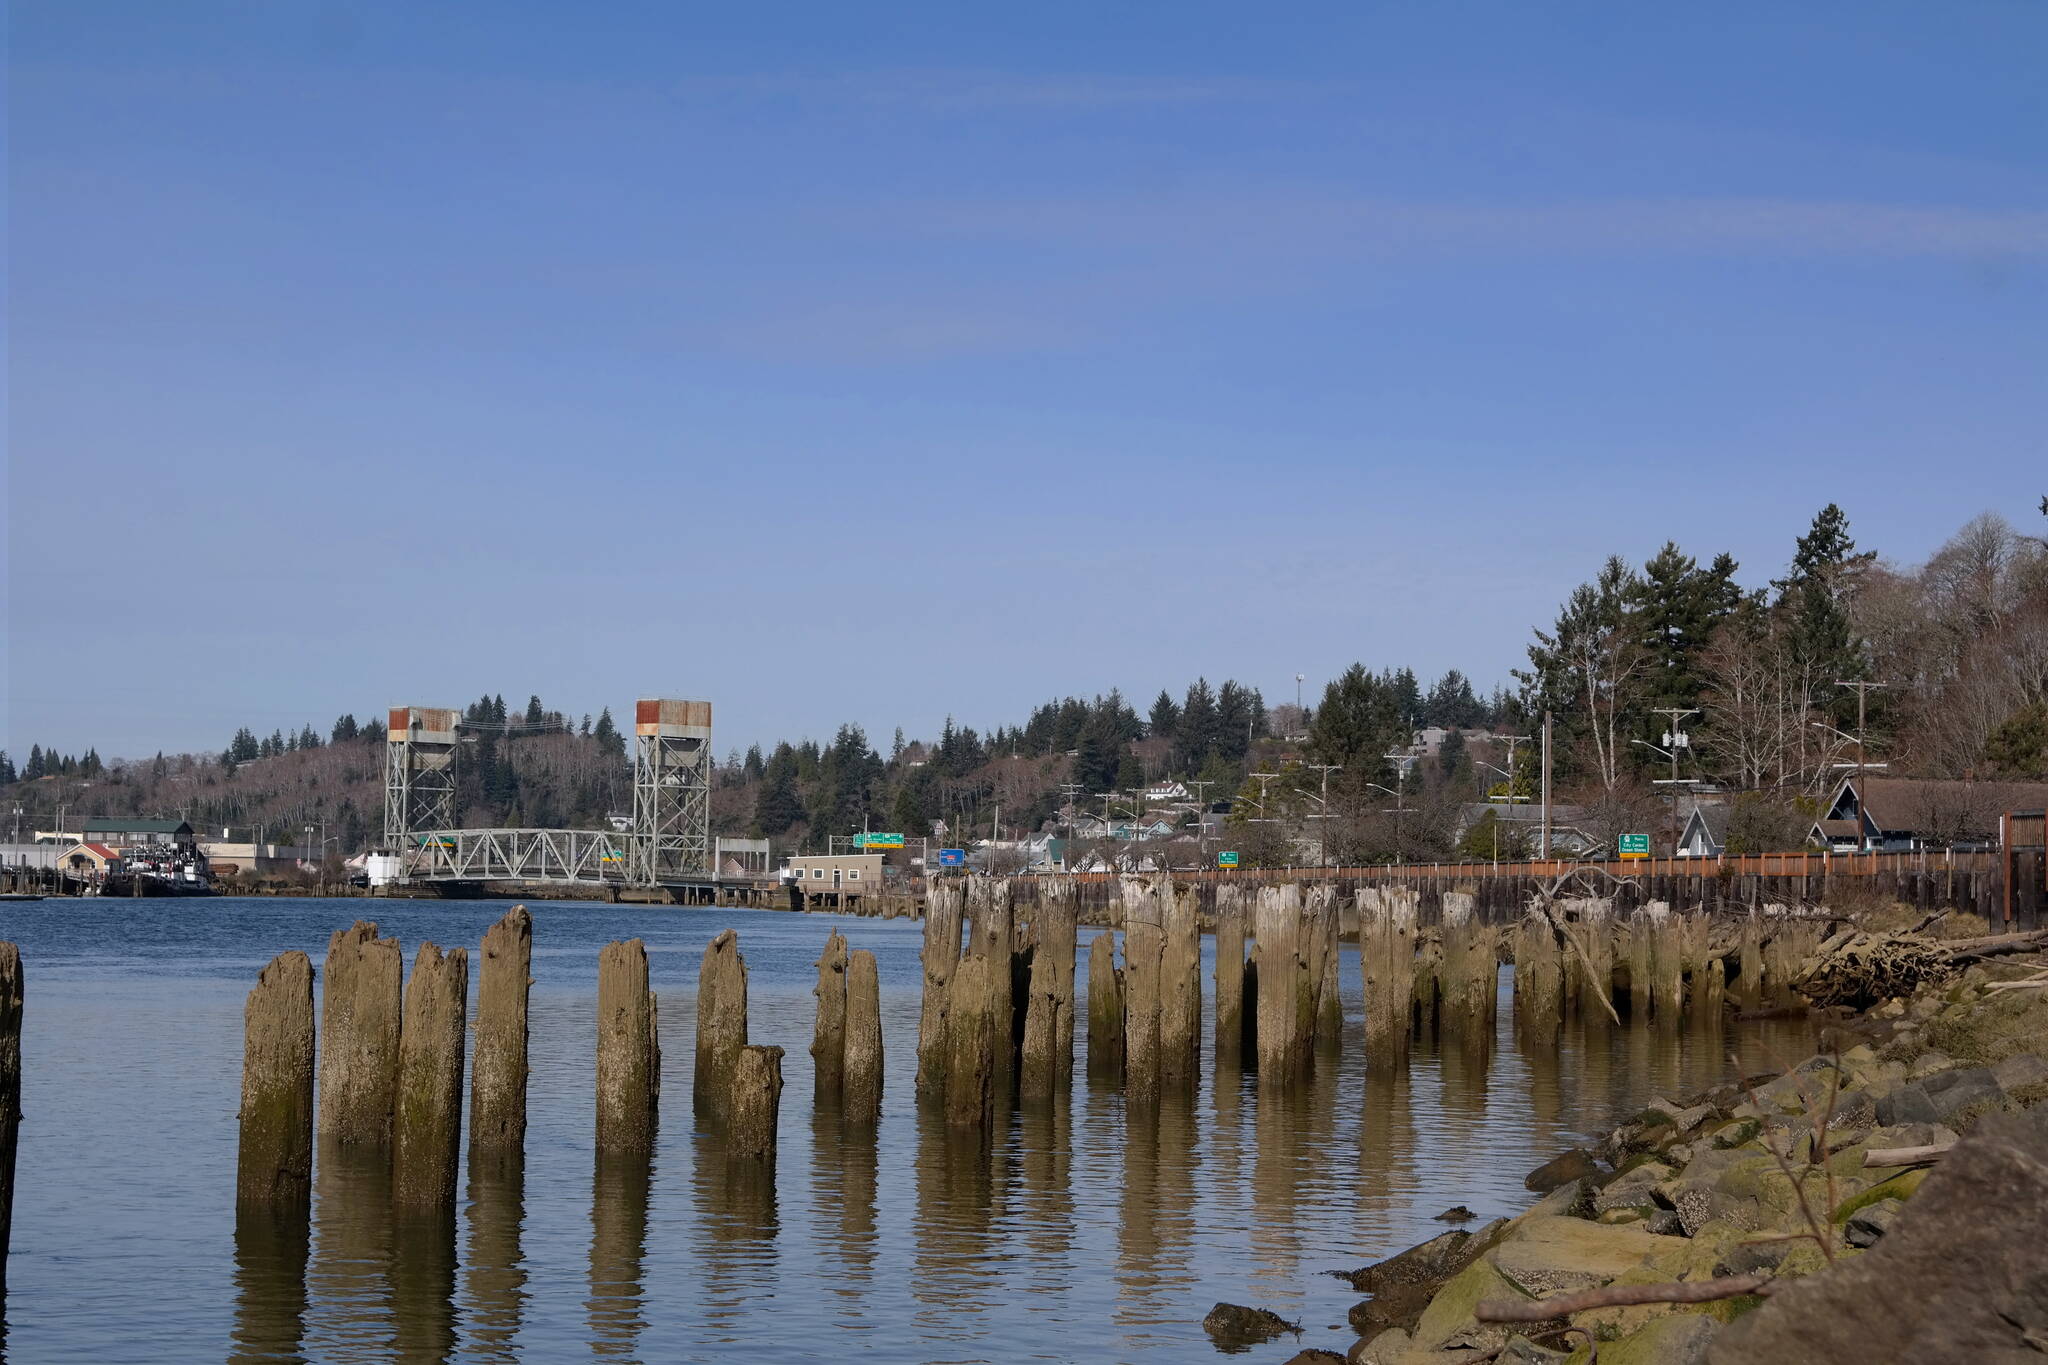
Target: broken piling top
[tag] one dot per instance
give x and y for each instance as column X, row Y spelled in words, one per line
column 497, row 1083
column 1386, row 950
column 12, row 992
column 1105, row 1007
column 1230, row 940
column 972, row 1037
column 755, row 1104
column 1277, row 926
column 721, row 1019
column 427, row 1125
column 361, row 991
column 828, row 1036
column 1046, row 1062
column 862, row 1086
column 944, row 909
column 628, row 1050
column 1145, row 901
column 274, row 1161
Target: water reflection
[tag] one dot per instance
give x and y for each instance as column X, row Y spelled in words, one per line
column 618, row 1249
column 733, row 1235
column 272, row 1247
column 423, row 1286
column 956, row 1276
column 845, row 1166
column 352, row 1274
column 494, row 1276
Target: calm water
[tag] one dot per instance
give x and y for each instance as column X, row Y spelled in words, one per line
column 1084, row 1237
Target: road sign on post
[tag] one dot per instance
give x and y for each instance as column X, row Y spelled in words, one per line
column 952, row 857
column 1635, row 845
column 1226, row 860
column 878, row 841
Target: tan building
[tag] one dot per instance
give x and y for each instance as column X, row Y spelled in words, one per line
column 843, row 874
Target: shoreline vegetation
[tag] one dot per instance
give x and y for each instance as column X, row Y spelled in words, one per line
column 1659, row 671
column 1882, row 1199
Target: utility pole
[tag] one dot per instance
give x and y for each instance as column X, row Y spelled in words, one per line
column 1862, row 700
column 1201, row 809
column 1544, row 851
column 1675, row 741
column 1322, row 830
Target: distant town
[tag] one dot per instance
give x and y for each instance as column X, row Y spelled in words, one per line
column 1844, row 704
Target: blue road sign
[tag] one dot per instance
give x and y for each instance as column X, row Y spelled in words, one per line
column 952, row 857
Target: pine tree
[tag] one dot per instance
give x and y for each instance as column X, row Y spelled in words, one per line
column 36, row 762
column 607, row 734
column 1198, row 730
column 534, row 714
column 1357, row 724
column 1165, row 715
column 7, row 773
column 752, row 768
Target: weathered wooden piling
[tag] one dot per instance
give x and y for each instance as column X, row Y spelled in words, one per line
column 1470, row 970
column 1749, row 979
column 862, row 1094
column 1539, row 974
column 628, row 1050
column 944, row 908
column 12, row 994
column 721, row 1021
column 1048, row 1054
column 756, row 1101
column 1230, row 989
column 1640, row 969
column 1180, row 985
column 828, row 1037
column 1592, row 927
column 274, row 1162
column 428, row 1121
column 361, row 989
column 1277, row 925
column 1105, row 1009
column 1319, row 962
column 992, row 934
column 1387, row 952
column 497, row 1083
column 971, row 1044
column 1667, row 963
column 1707, row 979
column 1144, row 950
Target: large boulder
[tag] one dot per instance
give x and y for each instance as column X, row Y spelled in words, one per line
column 1577, row 1164
column 1234, row 1327
column 1939, row 1097
column 1958, row 1277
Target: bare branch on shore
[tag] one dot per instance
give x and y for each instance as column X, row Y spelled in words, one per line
column 1622, row 1296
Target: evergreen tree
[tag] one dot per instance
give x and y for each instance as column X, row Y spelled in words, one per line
column 1814, row 596
column 158, row 769
column 752, row 767
column 607, row 734
column 498, row 709
column 36, row 762
column 1165, row 715
column 534, row 715
column 1236, row 720
column 896, row 747
column 1200, row 727
column 1681, row 605
column 778, row 805
column 1407, row 695
column 1356, row 725
column 345, row 729
column 7, row 773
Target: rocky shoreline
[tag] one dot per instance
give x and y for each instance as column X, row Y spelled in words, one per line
column 1885, row 1200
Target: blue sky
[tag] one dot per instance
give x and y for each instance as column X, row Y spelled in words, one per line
column 842, row 362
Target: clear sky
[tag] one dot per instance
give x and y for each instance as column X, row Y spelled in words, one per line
column 859, row 362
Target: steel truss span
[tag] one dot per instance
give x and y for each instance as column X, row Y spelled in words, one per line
column 523, row 855
column 670, row 841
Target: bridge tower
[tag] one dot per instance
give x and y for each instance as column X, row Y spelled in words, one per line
column 671, row 791
column 419, row 774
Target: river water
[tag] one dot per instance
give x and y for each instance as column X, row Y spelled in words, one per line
column 1084, row 1236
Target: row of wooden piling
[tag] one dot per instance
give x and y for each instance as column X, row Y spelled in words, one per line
column 389, row 1077
column 996, row 1024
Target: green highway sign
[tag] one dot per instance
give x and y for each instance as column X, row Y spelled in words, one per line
column 878, row 841
column 1226, row 860
column 1635, row 845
